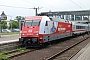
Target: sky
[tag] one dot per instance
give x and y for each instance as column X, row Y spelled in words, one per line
column 44, row 5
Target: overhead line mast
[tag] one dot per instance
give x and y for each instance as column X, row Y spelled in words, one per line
column 36, row 10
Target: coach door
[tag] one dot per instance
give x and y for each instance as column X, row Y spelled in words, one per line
column 46, row 31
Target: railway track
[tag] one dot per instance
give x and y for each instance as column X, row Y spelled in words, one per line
column 5, row 46
column 69, row 52
column 14, row 53
column 9, row 46
column 11, row 50
column 53, row 51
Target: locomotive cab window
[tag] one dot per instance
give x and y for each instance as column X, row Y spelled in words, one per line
column 32, row 23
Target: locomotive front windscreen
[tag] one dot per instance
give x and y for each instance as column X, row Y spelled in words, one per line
column 32, row 23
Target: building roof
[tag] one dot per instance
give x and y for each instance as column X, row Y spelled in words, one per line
column 3, row 14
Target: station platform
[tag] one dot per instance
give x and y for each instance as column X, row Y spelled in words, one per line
column 9, row 38
column 9, row 35
column 9, row 41
column 83, row 54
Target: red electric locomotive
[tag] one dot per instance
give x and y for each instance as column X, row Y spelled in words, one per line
column 37, row 30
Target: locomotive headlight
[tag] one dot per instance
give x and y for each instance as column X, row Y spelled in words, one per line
column 36, row 34
column 41, row 38
column 23, row 34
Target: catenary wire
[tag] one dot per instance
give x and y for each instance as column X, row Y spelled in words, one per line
column 15, row 7
column 35, row 4
column 76, row 4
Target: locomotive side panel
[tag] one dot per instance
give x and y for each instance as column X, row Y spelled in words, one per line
column 58, row 30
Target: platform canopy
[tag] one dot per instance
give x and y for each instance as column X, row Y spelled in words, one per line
column 70, row 15
column 81, row 12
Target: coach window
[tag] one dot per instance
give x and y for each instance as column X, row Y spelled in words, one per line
column 77, row 27
column 83, row 27
column 46, row 23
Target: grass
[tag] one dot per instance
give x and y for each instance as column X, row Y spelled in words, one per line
column 10, row 33
column 21, row 50
column 3, row 56
column 4, row 51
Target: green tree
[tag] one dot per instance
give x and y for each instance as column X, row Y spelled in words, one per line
column 14, row 24
column 3, row 24
column 19, row 18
